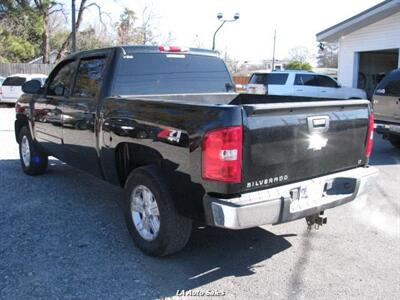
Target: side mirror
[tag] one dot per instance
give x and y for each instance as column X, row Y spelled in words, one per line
column 31, row 87
column 338, row 85
column 380, row 91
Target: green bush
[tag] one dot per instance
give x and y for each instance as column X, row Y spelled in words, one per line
column 298, row 65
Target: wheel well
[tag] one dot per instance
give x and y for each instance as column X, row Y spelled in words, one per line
column 130, row 156
column 21, row 121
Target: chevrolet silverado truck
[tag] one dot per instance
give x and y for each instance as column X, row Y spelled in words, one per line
column 165, row 124
column 386, row 101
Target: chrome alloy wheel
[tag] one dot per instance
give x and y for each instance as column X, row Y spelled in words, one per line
column 145, row 213
column 25, row 151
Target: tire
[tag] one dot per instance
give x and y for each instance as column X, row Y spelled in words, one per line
column 395, row 141
column 33, row 161
column 173, row 229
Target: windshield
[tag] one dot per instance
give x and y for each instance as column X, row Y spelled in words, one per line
column 172, row 73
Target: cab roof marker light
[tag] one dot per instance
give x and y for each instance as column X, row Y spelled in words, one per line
column 172, row 49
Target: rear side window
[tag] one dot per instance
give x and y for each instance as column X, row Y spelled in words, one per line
column 391, row 84
column 270, row 78
column 14, row 81
column 326, row 81
column 89, row 77
column 306, row 79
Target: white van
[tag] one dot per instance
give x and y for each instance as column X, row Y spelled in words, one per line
column 11, row 89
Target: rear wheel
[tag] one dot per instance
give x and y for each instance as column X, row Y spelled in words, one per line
column 395, row 141
column 153, row 223
column 33, row 161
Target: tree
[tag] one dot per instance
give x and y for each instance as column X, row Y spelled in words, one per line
column 45, row 9
column 197, row 42
column 16, row 49
column 231, row 62
column 146, row 31
column 328, row 55
column 20, row 30
column 299, row 53
column 84, row 5
column 126, row 31
column 168, row 40
column 89, row 39
column 27, row 23
column 129, row 33
column 298, row 65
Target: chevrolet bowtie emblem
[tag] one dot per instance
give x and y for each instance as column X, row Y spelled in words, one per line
column 317, row 142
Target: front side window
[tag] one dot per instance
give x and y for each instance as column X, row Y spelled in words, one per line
column 60, row 84
column 89, row 77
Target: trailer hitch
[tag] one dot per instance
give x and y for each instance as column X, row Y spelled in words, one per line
column 316, row 220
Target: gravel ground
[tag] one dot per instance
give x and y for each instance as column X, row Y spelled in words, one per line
column 63, row 236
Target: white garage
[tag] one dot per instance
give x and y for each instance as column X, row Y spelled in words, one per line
column 369, row 45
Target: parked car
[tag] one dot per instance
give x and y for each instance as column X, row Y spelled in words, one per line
column 11, row 89
column 162, row 123
column 303, row 84
column 386, row 100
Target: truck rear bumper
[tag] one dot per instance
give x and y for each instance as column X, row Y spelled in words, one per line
column 289, row 202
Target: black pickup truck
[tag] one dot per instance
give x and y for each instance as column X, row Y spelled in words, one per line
column 165, row 124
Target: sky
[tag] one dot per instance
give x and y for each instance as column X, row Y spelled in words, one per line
column 251, row 37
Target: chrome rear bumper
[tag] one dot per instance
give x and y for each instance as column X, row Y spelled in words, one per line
column 278, row 205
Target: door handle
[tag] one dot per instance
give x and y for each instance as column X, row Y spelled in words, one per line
column 323, row 91
column 299, row 90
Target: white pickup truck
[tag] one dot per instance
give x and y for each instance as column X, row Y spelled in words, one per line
column 302, row 84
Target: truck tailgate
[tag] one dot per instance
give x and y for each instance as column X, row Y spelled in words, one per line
column 289, row 142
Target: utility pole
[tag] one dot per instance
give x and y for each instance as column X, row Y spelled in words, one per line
column 273, row 52
column 73, row 26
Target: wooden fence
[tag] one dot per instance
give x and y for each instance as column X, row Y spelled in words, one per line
column 9, row 69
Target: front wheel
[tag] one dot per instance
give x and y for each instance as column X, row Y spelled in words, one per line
column 33, row 161
column 152, row 220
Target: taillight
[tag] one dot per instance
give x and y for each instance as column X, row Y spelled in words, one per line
column 222, row 154
column 172, row 49
column 370, row 136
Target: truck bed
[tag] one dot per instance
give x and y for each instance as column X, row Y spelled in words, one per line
column 279, row 146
